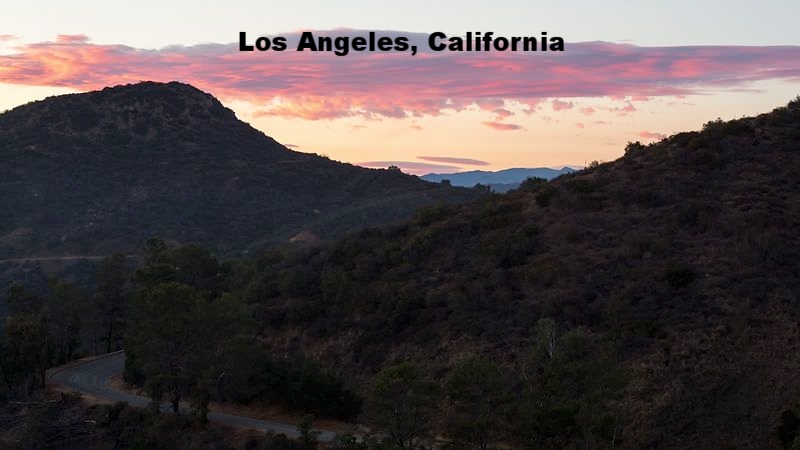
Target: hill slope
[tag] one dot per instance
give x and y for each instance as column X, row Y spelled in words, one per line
column 103, row 171
column 684, row 252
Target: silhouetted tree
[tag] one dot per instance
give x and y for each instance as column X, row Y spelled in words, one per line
column 478, row 395
column 65, row 306
column 402, row 402
column 111, row 298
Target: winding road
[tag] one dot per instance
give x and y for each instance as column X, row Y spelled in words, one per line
column 92, row 377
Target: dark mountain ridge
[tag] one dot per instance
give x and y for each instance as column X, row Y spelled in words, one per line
column 103, row 171
column 682, row 253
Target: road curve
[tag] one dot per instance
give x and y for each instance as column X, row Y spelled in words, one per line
column 92, row 377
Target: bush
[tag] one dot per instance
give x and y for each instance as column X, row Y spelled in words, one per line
column 581, row 185
column 789, row 429
column 545, row 195
column 430, row 214
column 678, row 275
column 532, row 183
column 633, row 148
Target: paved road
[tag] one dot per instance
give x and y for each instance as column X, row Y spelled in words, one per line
column 92, row 377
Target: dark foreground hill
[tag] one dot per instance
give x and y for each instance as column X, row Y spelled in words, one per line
column 683, row 253
column 103, row 171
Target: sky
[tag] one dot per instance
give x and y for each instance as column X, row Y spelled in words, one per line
column 629, row 71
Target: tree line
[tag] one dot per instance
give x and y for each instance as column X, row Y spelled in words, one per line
column 185, row 336
column 40, row 331
column 188, row 336
column 564, row 395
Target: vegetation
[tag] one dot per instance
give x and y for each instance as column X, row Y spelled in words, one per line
column 402, row 402
column 669, row 271
column 477, row 390
column 648, row 302
column 67, row 423
column 115, row 167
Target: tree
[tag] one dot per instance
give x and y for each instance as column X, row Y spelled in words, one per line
column 189, row 264
column 569, row 387
column 20, row 301
column 478, row 397
column 196, row 267
column 158, row 264
column 482, row 188
column 27, row 351
column 163, row 338
column 532, row 183
column 402, row 402
column 111, row 298
column 65, row 307
column 176, row 337
column 6, row 366
column 308, row 436
column 789, row 428
column 634, row 147
column 547, row 337
column 155, row 251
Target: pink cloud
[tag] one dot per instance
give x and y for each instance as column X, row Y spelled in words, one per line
column 499, row 126
column 625, row 110
column 72, row 39
column 502, row 113
column 447, row 159
column 559, row 105
column 321, row 85
column 531, row 106
column 651, row 135
column 490, row 104
column 7, row 37
column 412, row 167
column 580, row 125
column 587, row 110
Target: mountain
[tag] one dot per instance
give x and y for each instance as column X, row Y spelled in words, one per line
column 681, row 258
column 103, row 171
column 500, row 181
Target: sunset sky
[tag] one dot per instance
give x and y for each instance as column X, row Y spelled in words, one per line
column 630, row 71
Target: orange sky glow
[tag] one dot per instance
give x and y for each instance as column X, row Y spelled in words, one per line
column 436, row 111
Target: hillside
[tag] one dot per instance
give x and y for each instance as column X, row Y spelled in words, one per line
column 682, row 253
column 103, row 171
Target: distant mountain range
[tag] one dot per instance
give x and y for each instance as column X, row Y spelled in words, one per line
column 500, row 181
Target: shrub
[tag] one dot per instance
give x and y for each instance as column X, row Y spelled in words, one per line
column 678, row 275
column 532, row 183
column 633, row 148
column 430, row 214
column 545, row 195
column 789, row 429
column 581, row 186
